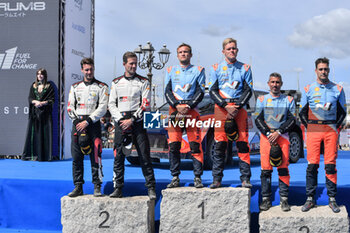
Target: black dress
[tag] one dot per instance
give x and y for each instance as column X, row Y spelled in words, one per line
column 38, row 144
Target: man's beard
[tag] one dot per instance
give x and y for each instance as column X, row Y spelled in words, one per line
column 324, row 79
column 276, row 91
column 89, row 78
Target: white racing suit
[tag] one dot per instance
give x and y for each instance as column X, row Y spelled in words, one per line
column 129, row 98
column 87, row 101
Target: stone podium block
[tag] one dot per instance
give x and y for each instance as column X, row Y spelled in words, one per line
column 320, row 219
column 188, row 209
column 103, row 214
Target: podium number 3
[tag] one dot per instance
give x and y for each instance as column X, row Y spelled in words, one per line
column 202, row 205
column 104, row 221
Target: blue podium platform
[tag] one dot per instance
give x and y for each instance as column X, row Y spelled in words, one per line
column 30, row 191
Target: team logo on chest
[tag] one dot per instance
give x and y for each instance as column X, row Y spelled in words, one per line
column 232, row 85
column 185, row 88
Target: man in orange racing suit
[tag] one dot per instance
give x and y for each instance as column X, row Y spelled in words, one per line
column 323, row 109
column 275, row 117
column 185, row 84
column 230, row 87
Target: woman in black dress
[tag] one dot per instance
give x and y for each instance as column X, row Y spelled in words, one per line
column 38, row 145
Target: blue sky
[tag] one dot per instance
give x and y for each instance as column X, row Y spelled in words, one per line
column 273, row 36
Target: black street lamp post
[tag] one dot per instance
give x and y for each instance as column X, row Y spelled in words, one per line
column 146, row 61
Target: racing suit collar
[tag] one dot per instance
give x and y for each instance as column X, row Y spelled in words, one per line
column 324, row 85
column 230, row 63
column 129, row 78
column 186, row 67
column 89, row 83
column 275, row 97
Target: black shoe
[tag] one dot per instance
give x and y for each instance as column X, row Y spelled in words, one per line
column 215, row 184
column 198, row 182
column 246, row 184
column 117, row 193
column 284, row 204
column 77, row 191
column 175, row 182
column 152, row 193
column 265, row 204
column 97, row 190
column 310, row 203
column 333, row 205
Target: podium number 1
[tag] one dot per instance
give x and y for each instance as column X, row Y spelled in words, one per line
column 202, row 205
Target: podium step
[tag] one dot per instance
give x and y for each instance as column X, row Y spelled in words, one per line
column 91, row 214
column 188, row 209
column 319, row 219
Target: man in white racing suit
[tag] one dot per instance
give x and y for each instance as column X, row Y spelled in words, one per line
column 87, row 103
column 129, row 98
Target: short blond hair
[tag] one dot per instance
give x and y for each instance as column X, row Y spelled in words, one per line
column 227, row 41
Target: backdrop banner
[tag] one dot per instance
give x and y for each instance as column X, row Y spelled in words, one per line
column 29, row 40
column 77, row 46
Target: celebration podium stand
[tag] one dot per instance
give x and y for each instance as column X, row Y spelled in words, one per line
column 319, row 219
column 188, row 209
column 90, row 214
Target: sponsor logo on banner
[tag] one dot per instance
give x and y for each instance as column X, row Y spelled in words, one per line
column 77, row 76
column 78, row 53
column 19, row 9
column 78, row 4
column 13, row 110
column 79, row 28
column 12, row 60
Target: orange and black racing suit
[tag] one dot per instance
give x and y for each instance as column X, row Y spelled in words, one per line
column 185, row 86
column 323, row 109
column 231, row 83
column 274, row 114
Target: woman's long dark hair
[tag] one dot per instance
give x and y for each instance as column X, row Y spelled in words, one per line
column 43, row 72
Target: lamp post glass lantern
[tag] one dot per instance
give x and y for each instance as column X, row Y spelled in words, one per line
column 146, row 57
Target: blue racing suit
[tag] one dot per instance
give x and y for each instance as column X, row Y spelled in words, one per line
column 231, row 83
column 185, row 86
column 274, row 114
column 323, row 109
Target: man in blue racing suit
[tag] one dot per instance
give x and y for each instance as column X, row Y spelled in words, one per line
column 230, row 86
column 275, row 117
column 323, row 109
column 185, row 84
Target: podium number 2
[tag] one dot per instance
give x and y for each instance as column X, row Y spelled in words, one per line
column 104, row 221
column 202, row 205
column 304, row 227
